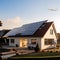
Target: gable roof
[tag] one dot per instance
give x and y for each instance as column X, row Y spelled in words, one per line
column 43, row 29
column 40, row 32
column 37, row 29
column 27, row 29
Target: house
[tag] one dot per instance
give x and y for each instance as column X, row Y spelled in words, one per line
column 42, row 33
column 2, row 33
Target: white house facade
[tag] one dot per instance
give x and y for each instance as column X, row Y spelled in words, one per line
column 44, row 36
column 50, row 35
column 24, row 42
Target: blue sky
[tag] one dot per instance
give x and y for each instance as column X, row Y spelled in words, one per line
column 29, row 11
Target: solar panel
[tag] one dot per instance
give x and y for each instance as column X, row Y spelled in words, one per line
column 27, row 29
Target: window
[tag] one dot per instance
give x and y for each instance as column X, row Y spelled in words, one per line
column 51, row 31
column 12, row 40
column 33, row 41
column 49, row 41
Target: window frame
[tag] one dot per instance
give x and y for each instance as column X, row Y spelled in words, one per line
column 12, row 40
column 51, row 31
column 33, row 41
column 48, row 41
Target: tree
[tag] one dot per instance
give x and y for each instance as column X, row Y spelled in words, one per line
column 37, row 48
column 0, row 23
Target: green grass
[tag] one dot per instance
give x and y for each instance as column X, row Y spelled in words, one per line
column 35, row 57
column 38, row 55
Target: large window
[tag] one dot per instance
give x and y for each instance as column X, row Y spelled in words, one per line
column 49, row 41
column 12, row 40
column 33, row 41
column 51, row 31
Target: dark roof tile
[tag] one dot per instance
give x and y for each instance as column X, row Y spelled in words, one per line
column 43, row 29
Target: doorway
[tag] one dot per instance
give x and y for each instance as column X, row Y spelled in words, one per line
column 23, row 43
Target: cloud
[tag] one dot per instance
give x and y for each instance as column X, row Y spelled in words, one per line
column 11, row 23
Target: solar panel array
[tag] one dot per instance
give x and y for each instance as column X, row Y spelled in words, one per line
column 27, row 29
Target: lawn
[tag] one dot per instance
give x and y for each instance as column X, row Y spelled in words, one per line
column 37, row 55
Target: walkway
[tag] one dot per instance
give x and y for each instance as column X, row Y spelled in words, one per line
column 18, row 50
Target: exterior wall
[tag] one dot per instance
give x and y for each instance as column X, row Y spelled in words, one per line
column 38, row 40
column 48, row 36
column 17, row 40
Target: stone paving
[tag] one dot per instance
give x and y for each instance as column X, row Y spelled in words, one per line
column 18, row 50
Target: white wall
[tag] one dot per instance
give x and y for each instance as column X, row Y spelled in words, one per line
column 48, row 36
column 38, row 40
column 17, row 40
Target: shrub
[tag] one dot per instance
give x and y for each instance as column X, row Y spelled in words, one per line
column 42, row 51
column 14, row 49
column 37, row 48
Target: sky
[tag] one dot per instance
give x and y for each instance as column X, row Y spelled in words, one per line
column 15, row 13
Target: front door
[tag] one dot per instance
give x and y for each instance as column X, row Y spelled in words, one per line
column 23, row 43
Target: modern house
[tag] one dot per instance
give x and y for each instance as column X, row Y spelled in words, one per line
column 42, row 33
